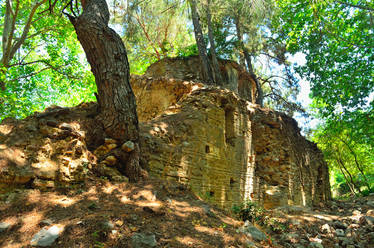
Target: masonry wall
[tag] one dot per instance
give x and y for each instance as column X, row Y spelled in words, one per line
column 229, row 150
column 234, row 76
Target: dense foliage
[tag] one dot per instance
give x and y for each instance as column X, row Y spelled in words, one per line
column 337, row 39
column 46, row 66
column 153, row 30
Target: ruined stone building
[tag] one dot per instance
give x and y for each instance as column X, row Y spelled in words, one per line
column 213, row 139
column 224, row 147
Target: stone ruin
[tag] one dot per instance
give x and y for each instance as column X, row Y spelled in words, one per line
column 234, row 77
column 223, row 147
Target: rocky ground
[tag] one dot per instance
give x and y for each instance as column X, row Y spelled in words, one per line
column 348, row 223
column 99, row 213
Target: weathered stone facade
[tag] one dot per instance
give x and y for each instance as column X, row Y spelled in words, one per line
column 227, row 149
column 234, row 77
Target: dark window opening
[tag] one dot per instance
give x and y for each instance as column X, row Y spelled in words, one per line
column 207, row 149
column 232, row 182
column 229, row 127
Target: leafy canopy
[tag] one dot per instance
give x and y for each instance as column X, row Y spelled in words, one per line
column 337, row 39
column 47, row 68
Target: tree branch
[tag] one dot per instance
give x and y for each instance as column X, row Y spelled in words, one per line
column 49, row 66
column 51, row 28
column 357, row 6
column 147, row 36
column 26, row 28
column 9, row 28
column 30, row 75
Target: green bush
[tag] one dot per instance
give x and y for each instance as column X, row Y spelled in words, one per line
column 254, row 213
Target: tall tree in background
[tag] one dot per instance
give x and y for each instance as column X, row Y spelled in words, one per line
column 153, row 30
column 245, row 57
column 200, row 42
column 351, row 163
column 243, row 32
column 217, row 77
column 108, row 59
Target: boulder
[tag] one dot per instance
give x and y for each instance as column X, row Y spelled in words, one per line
column 253, row 232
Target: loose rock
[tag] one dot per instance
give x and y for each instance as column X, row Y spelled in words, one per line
column 43, row 184
column 4, row 226
column 66, row 126
column 339, row 225
column 253, row 233
column 128, row 146
column 110, row 160
column 326, row 228
column 367, row 220
column 110, row 141
column 46, row 222
column 140, row 240
column 47, row 236
column 370, row 203
column 108, row 225
column 291, row 237
column 339, row 232
column 370, row 212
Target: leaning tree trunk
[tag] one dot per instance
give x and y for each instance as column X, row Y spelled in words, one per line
column 216, row 70
column 260, row 95
column 108, row 59
column 201, row 46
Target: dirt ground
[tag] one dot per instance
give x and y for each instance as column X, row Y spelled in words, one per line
column 99, row 213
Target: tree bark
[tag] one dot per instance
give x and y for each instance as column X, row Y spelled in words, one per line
column 207, row 72
column 107, row 56
column 216, row 70
column 260, row 95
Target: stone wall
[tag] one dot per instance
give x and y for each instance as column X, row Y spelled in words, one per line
column 234, row 77
column 229, row 150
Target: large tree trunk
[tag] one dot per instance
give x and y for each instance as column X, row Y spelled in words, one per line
column 260, row 95
column 208, row 76
column 108, row 59
column 217, row 73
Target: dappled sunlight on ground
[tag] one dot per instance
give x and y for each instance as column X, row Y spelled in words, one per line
column 175, row 216
column 191, row 242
